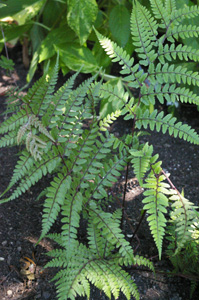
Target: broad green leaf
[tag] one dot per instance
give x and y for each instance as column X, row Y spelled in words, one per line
column 81, row 17
column 57, row 36
column 119, row 24
column 37, row 36
column 75, row 57
column 52, row 12
column 14, row 6
column 29, row 12
column 33, row 66
column 14, row 32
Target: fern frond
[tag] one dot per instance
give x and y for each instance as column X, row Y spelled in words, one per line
column 59, row 99
column 71, row 217
column 50, row 88
column 164, row 123
column 104, row 274
column 155, row 204
column 107, row 175
column 140, row 160
column 111, row 93
column 183, row 52
column 111, row 229
column 24, row 164
column 183, row 217
column 160, row 12
column 169, row 92
column 117, row 54
column 69, row 114
column 183, row 31
column 171, row 74
column 109, row 119
column 188, row 12
column 40, row 94
column 55, row 197
column 9, row 139
column 14, row 122
column 170, row 6
column 40, row 169
column 144, row 33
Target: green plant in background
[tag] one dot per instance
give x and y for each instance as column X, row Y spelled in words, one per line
column 66, row 27
column 63, row 136
column 6, row 63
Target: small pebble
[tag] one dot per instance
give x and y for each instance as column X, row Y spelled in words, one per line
column 9, row 293
column 4, row 243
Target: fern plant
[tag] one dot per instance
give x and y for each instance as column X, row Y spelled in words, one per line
column 63, row 136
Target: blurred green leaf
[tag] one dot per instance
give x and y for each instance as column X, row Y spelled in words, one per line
column 52, row 13
column 2, row 5
column 119, row 24
column 81, row 17
column 14, row 31
column 14, row 6
column 57, row 36
column 75, row 57
column 6, row 63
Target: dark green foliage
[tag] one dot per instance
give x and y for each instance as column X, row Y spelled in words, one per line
column 63, row 136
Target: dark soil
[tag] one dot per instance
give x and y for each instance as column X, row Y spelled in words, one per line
column 20, row 220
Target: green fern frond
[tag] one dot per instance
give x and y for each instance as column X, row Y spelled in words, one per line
column 111, row 229
column 111, row 93
column 183, row 31
column 160, row 12
column 164, row 123
column 46, row 165
column 55, row 197
column 156, row 206
column 14, row 122
column 188, row 12
column 24, row 164
column 117, row 54
column 59, row 99
column 171, row 74
column 168, row 92
column 108, row 175
column 140, row 160
column 71, row 218
column 144, row 33
column 9, row 139
column 109, row 119
column 183, row 52
column 105, row 275
column 183, row 217
column 170, row 6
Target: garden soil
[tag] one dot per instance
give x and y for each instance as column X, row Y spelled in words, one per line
column 20, row 220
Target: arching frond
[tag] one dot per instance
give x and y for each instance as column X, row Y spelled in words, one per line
column 171, row 74
column 159, row 122
column 140, row 160
column 188, row 12
column 160, row 12
column 156, row 204
column 182, row 217
column 144, row 33
column 170, row 6
column 183, row 52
